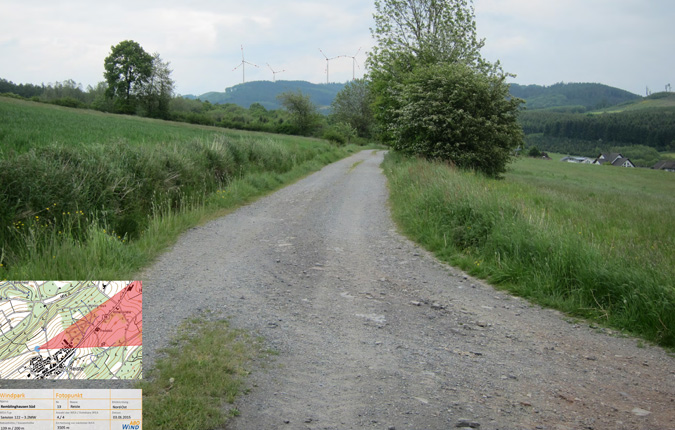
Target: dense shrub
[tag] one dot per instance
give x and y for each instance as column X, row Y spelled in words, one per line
column 452, row 112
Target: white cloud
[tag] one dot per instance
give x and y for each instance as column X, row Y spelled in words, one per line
column 620, row 42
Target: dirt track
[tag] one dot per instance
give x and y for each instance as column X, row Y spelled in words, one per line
column 373, row 333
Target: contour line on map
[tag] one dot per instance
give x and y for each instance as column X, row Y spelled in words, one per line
column 71, row 330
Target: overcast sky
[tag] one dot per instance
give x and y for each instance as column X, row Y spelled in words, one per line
column 623, row 43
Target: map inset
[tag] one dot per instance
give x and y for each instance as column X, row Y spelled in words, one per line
column 71, row 330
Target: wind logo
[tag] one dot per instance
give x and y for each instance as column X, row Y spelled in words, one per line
column 134, row 425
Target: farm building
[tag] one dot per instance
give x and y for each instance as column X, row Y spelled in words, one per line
column 667, row 165
column 614, row 159
column 579, row 160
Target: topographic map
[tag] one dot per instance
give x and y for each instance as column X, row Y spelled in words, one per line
column 71, row 330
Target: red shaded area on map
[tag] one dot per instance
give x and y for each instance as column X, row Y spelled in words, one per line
column 117, row 322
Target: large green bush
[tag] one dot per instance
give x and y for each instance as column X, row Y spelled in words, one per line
column 434, row 95
column 452, row 112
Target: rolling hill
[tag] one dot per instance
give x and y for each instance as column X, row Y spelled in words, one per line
column 572, row 97
column 265, row 93
column 654, row 101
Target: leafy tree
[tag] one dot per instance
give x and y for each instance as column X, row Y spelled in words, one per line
column 452, row 112
column 340, row 133
column 352, row 106
column 425, row 31
column 304, row 114
column 127, row 69
column 534, row 152
column 158, row 91
column 97, row 97
column 435, row 95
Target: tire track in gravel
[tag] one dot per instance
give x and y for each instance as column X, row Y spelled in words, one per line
column 373, row 333
column 319, row 270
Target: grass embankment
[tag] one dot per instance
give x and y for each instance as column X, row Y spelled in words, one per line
column 592, row 241
column 85, row 195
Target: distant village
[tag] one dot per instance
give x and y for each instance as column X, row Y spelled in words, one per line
column 614, row 159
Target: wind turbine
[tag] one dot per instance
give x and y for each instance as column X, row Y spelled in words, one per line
column 243, row 66
column 274, row 74
column 355, row 64
column 328, row 63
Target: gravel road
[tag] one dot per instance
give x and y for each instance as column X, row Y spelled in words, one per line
column 373, row 333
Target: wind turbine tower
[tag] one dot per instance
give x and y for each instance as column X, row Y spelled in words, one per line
column 355, row 64
column 274, row 74
column 243, row 66
column 328, row 64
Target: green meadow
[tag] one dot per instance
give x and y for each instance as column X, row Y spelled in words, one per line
column 87, row 195
column 593, row 241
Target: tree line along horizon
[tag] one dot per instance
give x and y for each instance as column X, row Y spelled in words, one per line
column 428, row 93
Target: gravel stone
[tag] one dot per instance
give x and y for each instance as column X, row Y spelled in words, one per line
column 351, row 360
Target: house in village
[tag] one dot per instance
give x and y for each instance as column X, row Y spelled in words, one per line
column 667, row 165
column 614, row 159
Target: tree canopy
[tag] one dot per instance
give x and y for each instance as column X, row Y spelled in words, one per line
column 434, row 95
column 304, row 114
column 158, row 91
column 352, row 105
column 127, row 69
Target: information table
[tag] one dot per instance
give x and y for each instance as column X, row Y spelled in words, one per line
column 53, row 409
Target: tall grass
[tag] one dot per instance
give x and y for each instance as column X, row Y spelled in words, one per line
column 593, row 241
column 72, row 208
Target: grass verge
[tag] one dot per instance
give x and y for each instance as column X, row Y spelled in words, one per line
column 197, row 376
column 591, row 241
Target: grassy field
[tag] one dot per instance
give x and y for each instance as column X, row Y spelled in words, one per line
column 658, row 100
column 86, row 195
column 593, row 241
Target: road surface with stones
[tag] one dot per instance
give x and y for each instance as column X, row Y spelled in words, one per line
column 373, row 333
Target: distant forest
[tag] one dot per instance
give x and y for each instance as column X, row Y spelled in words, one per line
column 265, row 93
column 573, row 97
